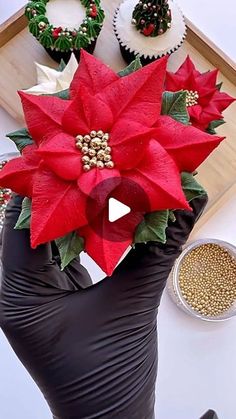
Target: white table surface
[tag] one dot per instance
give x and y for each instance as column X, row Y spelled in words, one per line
column 197, row 362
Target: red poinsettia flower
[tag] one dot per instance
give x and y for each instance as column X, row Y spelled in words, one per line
column 109, row 129
column 204, row 100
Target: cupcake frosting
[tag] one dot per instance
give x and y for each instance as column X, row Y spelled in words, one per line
column 130, row 38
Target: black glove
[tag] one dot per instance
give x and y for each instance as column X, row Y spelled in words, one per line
column 92, row 350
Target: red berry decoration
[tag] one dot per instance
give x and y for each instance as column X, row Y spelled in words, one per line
column 56, row 32
column 93, row 11
column 148, row 30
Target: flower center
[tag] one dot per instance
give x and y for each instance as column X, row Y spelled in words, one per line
column 192, row 98
column 95, row 149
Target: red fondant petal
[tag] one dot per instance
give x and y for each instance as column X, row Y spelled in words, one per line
column 62, row 157
column 138, row 96
column 159, row 177
column 129, row 140
column 18, row 174
column 43, row 115
column 104, row 252
column 93, row 74
column 88, row 181
column 58, row 208
column 187, row 67
column 188, row 146
column 87, row 113
column 222, row 100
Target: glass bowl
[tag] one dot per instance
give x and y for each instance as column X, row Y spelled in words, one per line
column 175, row 292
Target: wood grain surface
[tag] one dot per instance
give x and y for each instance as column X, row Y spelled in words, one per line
column 17, row 71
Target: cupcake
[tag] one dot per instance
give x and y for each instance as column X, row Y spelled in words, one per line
column 150, row 29
column 66, row 26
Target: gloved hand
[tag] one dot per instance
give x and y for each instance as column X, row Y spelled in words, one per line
column 92, row 350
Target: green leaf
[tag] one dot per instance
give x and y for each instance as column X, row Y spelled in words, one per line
column 62, row 66
column 172, row 216
column 21, row 138
column 213, row 125
column 134, row 66
column 152, row 228
column 25, row 215
column 174, row 105
column 219, row 85
column 63, row 94
column 69, row 246
column 192, row 189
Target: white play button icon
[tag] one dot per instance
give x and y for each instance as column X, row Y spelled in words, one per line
column 116, row 210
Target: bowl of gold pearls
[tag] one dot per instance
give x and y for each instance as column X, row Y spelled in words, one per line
column 203, row 280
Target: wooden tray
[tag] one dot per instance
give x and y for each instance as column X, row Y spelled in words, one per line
column 17, row 70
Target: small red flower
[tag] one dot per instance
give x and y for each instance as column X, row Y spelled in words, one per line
column 56, row 32
column 205, row 102
column 145, row 147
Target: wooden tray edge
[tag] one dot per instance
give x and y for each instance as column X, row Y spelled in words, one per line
column 12, row 26
column 211, row 52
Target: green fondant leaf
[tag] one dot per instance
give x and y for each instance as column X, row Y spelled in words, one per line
column 61, row 66
column 21, row 138
column 174, row 105
column 172, row 217
column 192, row 189
column 25, row 215
column 69, row 246
column 152, row 228
column 219, row 85
column 213, row 125
column 134, row 66
column 64, row 94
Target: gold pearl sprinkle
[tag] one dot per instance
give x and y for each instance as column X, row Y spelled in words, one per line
column 207, row 279
column 95, row 149
column 192, row 98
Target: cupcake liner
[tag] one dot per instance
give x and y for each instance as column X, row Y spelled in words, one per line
column 65, row 56
column 133, row 43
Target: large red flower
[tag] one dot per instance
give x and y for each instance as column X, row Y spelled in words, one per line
column 205, row 102
column 118, row 119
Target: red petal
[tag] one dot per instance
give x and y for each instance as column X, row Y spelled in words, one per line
column 222, row 100
column 208, row 79
column 188, row 67
column 188, row 146
column 18, row 175
column 129, row 140
column 159, row 177
column 62, row 157
column 110, row 252
column 93, row 74
column 138, row 96
column 90, row 180
column 58, row 208
column 43, row 115
column 87, row 113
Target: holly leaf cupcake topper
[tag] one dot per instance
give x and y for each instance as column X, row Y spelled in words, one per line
column 110, row 130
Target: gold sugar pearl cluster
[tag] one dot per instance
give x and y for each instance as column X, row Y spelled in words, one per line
column 207, row 279
column 96, row 150
column 192, row 98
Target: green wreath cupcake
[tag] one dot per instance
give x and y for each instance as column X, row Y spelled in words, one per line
column 65, row 26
